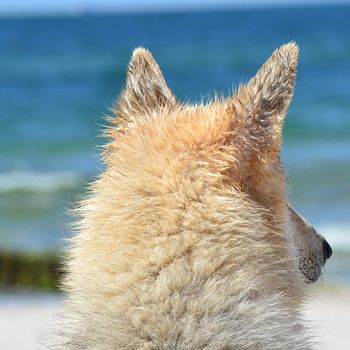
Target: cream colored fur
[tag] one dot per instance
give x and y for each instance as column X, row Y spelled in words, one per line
column 182, row 241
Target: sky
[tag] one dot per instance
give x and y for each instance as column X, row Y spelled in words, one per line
column 76, row 7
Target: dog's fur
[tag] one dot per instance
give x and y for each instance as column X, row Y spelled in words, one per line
column 186, row 240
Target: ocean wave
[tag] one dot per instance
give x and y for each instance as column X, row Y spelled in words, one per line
column 39, row 182
column 337, row 234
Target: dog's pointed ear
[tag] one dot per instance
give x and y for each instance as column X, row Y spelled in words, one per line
column 145, row 90
column 261, row 104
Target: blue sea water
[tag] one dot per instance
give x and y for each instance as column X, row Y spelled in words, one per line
column 60, row 75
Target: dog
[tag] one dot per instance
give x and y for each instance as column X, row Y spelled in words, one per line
column 186, row 240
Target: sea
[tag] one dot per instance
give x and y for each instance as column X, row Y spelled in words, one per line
column 59, row 76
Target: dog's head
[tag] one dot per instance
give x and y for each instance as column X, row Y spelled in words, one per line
column 239, row 138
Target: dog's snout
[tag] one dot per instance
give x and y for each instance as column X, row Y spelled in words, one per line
column 327, row 250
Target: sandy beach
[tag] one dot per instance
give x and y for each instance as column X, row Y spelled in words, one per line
column 329, row 312
column 25, row 319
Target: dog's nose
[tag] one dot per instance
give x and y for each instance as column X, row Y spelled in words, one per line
column 327, row 250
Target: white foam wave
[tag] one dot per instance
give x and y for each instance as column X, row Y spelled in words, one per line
column 337, row 234
column 38, row 182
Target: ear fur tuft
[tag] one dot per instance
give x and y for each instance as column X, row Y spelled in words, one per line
column 145, row 90
column 261, row 104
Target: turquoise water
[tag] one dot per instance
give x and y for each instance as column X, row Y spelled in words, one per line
column 58, row 76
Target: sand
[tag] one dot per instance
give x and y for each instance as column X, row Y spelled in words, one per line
column 329, row 311
column 25, row 319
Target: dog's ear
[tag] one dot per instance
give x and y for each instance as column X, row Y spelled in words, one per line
column 145, row 90
column 261, row 104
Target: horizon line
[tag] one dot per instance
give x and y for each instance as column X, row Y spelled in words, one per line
column 81, row 11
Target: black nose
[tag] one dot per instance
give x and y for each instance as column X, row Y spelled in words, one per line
column 327, row 250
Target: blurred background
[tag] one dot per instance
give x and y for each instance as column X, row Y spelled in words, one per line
column 62, row 64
